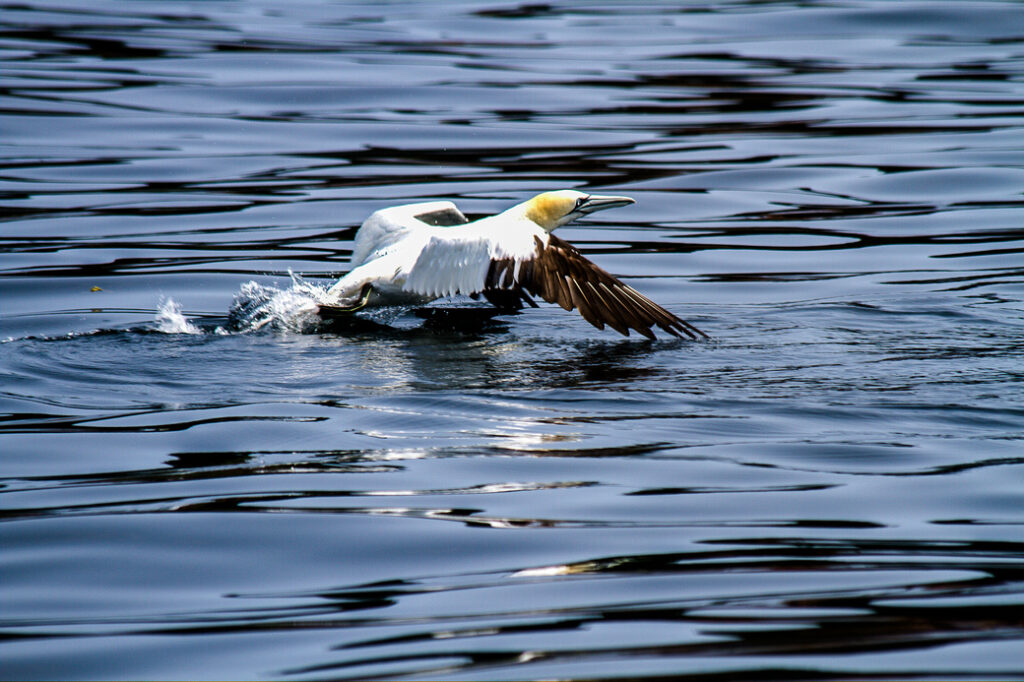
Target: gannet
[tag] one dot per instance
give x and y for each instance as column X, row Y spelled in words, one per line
column 416, row 253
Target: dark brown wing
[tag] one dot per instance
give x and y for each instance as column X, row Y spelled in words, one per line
column 501, row 288
column 561, row 274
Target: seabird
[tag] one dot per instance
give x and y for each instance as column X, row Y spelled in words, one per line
column 416, row 253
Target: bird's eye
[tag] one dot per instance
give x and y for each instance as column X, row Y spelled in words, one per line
column 580, row 202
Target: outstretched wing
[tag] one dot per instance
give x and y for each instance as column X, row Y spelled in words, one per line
column 470, row 262
column 456, row 260
column 560, row 274
column 389, row 226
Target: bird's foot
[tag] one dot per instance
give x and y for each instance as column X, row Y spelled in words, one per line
column 359, row 304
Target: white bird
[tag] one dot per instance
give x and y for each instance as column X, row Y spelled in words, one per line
column 415, row 253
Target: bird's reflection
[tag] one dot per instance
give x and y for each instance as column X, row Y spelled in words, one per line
column 476, row 347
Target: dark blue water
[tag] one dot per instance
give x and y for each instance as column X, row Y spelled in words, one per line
column 832, row 487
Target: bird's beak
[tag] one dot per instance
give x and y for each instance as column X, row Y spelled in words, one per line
column 596, row 202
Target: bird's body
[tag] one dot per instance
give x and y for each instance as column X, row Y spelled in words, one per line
column 416, row 253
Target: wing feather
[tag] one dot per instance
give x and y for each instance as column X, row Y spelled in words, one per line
column 389, row 226
column 607, row 311
column 507, row 268
column 469, row 260
column 560, row 274
column 582, row 304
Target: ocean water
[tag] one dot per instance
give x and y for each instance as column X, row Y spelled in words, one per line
column 200, row 478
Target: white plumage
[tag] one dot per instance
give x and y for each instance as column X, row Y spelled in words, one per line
column 407, row 259
column 415, row 253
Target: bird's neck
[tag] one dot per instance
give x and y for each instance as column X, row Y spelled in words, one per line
column 531, row 212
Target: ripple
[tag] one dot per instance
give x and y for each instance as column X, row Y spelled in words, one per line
column 828, row 489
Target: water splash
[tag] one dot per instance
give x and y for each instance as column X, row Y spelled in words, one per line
column 170, row 319
column 293, row 309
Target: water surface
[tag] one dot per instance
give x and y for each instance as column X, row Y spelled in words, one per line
column 833, row 486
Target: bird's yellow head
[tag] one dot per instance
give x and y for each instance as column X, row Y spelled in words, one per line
column 554, row 209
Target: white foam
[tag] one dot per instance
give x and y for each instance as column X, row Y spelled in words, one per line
column 293, row 309
column 170, row 320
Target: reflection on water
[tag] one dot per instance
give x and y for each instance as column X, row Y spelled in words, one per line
column 202, row 479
